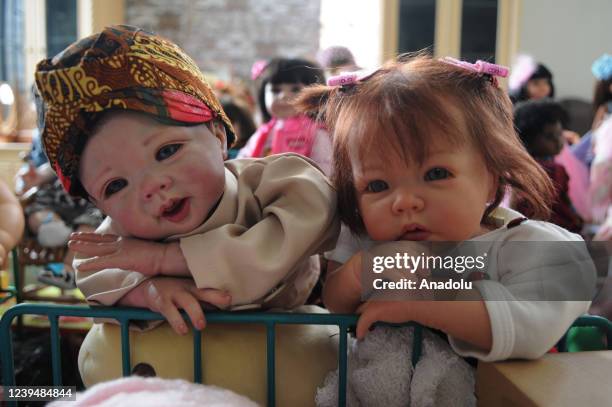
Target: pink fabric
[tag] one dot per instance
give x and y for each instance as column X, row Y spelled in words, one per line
column 601, row 172
column 521, row 71
column 155, row 392
column 295, row 135
column 578, row 181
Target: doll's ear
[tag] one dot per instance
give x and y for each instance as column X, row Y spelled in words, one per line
column 494, row 184
column 218, row 130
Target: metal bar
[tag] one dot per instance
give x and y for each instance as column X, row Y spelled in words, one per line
column 342, row 365
column 197, row 356
column 271, row 373
column 56, row 362
column 125, row 347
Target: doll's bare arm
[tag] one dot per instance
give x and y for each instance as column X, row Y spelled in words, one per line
column 11, row 221
column 106, row 251
column 466, row 320
column 342, row 289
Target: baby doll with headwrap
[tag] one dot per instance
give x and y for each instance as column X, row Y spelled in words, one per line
column 132, row 125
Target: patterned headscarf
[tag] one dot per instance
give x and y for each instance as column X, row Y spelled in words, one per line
column 123, row 68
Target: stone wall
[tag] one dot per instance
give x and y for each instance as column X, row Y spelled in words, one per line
column 225, row 37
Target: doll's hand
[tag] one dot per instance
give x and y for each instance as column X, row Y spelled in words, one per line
column 112, row 251
column 571, row 136
column 384, row 311
column 167, row 295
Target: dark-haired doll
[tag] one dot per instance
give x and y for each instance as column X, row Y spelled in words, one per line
column 530, row 80
column 283, row 129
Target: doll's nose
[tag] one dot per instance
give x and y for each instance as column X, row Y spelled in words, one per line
column 153, row 185
column 405, row 201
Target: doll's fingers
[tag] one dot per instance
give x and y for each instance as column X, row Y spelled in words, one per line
column 366, row 320
column 96, row 264
column 218, row 298
column 93, row 237
column 93, row 249
column 192, row 307
column 174, row 318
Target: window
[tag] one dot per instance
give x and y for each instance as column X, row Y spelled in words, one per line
column 61, row 25
column 478, row 30
column 416, row 25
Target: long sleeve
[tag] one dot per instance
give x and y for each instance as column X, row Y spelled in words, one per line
column 543, row 281
column 286, row 213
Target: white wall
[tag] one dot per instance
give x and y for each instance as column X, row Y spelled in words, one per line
column 356, row 24
column 567, row 36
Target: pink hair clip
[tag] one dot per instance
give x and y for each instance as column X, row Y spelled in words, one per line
column 257, row 68
column 479, row 67
column 350, row 78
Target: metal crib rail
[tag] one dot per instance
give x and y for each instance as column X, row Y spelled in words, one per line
column 124, row 315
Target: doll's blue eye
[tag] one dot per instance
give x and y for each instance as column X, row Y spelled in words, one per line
column 377, row 186
column 436, row 174
column 114, row 186
column 167, row 151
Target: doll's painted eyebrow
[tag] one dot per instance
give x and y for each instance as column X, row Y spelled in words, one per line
column 100, row 178
column 152, row 137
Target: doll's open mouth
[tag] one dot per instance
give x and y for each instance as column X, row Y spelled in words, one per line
column 177, row 210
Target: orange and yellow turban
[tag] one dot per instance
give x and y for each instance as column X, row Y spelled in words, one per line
column 121, row 67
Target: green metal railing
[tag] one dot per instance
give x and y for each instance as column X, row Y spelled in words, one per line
column 124, row 315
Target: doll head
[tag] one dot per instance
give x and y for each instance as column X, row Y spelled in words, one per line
column 120, row 68
column 530, row 80
column 429, row 145
column 159, row 181
column 602, row 70
column 337, row 59
column 538, row 123
column 280, row 81
column 131, row 124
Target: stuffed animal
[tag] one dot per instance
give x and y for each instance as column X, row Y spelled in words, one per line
column 155, row 392
column 233, row 357
column 380, row 373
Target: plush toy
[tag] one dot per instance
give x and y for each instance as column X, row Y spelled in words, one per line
column 380, row 373
column 233, row 357
column 155, row 392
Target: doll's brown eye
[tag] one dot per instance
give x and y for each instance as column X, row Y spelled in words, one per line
column 167, row 151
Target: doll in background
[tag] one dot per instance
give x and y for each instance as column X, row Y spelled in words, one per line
column 243, row 124
column 337, row 59
column 602, row 97
column 11, row 222
column 530, row 80
column 423, row 152
column 538, row 123
column 284, row 129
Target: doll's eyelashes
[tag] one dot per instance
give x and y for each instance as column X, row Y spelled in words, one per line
column 114, row 186
column 167, row 151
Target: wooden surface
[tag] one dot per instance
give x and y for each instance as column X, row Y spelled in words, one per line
column 564, row 379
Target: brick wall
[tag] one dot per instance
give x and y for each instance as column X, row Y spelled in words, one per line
column 226, row 36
